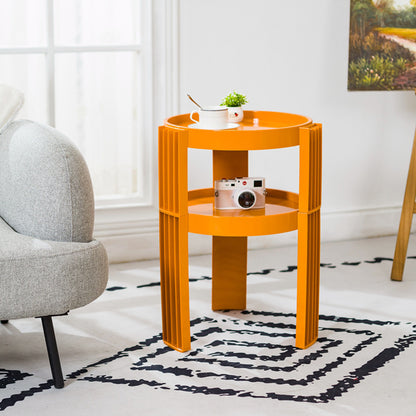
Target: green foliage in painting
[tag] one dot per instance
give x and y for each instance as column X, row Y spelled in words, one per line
column 363, row 16
column 376, row 73
column 405, row 18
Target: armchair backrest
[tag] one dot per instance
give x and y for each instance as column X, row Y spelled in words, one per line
column 45, row 186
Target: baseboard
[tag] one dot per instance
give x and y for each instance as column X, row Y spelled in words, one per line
column 362, row 223
column 138, row 240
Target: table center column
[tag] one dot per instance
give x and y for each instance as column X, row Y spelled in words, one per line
column 229, row 254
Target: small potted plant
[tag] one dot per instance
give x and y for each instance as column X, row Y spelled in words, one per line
column 234, row 101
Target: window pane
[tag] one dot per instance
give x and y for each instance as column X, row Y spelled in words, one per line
column 27, row 73
column 98, row 106
column 23, row 23
column 93, row 22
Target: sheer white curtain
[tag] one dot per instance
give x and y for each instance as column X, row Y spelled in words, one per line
column 81, row 66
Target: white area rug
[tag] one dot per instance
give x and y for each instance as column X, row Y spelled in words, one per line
column 241, row 362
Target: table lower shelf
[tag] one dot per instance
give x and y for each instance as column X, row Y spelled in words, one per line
column 280, row 215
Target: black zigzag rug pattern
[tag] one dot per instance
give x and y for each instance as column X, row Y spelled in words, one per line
column 251, row 354
column 248, row 354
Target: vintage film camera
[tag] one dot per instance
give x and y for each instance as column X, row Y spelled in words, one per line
column 240, row 193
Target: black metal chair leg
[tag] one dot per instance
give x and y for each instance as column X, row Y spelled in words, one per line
column 52, row 351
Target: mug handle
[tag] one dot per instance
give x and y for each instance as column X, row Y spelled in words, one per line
column 193, row 112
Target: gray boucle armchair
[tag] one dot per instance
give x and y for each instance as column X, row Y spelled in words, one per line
column 49, row 263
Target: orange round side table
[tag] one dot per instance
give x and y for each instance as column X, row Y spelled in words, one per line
column 182, row 211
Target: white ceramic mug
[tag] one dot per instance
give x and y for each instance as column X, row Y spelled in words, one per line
column 212, row 118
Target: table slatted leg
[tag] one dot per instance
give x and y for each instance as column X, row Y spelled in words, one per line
column 307, row 316
column 173, row 239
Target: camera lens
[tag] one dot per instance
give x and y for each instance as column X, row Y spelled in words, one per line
column 246, row 199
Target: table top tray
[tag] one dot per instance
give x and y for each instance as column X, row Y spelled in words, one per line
column 258, row 130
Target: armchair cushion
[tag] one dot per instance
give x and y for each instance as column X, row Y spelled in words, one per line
column 40, row 277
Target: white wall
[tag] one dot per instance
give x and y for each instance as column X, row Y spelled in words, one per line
column 292, row 56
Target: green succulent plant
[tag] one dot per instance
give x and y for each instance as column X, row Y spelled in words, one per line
column 234, row 99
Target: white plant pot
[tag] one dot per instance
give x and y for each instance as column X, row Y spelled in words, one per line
column 235, row 114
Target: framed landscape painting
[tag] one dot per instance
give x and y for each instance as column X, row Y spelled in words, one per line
column 382, row 49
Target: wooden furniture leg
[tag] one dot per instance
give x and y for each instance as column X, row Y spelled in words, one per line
column 229, row 254
column 307, row 314
column 408, row 209
column 173, row 237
